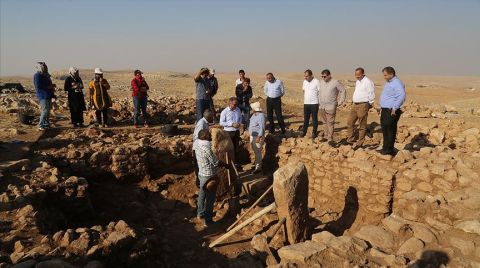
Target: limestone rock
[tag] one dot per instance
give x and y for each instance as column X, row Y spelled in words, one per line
column 377, row 236
column 412, row 245
column 465, row 246
column 469, row 226
column 290, row 188
column 301, row 252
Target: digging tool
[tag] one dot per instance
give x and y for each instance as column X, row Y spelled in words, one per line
column 228, row 170
column 235, row 169
column 251, row 207
column 257, row 215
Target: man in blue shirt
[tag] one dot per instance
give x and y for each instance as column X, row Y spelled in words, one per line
column 392, row 98
column 44, row 89
column 274, row 90
column 231, row 121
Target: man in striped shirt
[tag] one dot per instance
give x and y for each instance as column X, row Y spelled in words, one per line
column 207, row 169
column 201, row 124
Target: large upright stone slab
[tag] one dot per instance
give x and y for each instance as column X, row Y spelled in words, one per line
column 222, row 144
column 290, row 188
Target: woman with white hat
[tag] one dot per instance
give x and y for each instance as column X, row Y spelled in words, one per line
column 99, row 98
column 256, row 130
column 76, row 101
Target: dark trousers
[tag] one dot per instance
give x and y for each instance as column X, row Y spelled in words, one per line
column 389, row 129
column 275, row 104
column 140, row 104
column 195, row 168
column 76, row 116
column 202, row 105
column 235, row 137
column 99, row 114
column 310, row 109
column 246, row 113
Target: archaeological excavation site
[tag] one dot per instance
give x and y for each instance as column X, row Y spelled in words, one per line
column 124, row 197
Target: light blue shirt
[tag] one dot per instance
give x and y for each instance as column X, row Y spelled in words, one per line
column 229, row 117
column 201, row 124
column 393, row 94
column 275, row 89
column 257, row 125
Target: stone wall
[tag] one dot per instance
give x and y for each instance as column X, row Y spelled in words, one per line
column 340, row 176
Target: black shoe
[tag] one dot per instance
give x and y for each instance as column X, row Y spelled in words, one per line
column 303, row 135
column 369, row 134
column 384, row 152
column 331, row 143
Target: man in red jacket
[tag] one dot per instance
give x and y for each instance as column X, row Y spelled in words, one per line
column 139, row 88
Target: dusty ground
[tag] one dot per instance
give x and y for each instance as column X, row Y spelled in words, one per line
column 173, row 193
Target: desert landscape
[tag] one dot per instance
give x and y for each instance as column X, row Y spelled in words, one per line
column 125, row 197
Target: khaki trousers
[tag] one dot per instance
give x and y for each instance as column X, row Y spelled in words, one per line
column 358, row 112
column 328, row 119
column 257, row 149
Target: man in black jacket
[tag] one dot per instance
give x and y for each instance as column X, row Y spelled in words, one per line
column 244, row 93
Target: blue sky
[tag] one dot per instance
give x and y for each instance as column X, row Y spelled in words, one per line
column 416, row 37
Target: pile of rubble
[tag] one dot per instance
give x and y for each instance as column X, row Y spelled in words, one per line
column 51, row 200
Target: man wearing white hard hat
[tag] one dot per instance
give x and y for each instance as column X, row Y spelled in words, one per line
column 256, row 129
column 99, row 98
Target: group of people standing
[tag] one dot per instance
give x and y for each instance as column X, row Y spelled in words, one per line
column 99, row 98
column 321, row 97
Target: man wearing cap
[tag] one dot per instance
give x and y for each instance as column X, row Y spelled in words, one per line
column 231, row 121
column 274, row 90
column 331, row 94
column 363, row 98
column 99, row 98
column 140, row 97
column 202, row 92
column 201, row 125
column 256, row 129
column 207, row 164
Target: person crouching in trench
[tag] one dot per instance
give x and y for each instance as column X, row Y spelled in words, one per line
column 207, row 174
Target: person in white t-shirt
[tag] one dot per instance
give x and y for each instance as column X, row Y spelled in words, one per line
column 241, row 77
column 363, row 98
column 311, row 87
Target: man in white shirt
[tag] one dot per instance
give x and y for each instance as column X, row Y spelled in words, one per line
column 363, row 98
column 241, row 77
column 311, row 87
column 274, row 90
column 231, row 121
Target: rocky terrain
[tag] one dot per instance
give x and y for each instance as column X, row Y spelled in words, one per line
column 124, row 197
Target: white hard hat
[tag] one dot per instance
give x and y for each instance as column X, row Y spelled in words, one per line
column 98, row 71
column 256, row 107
